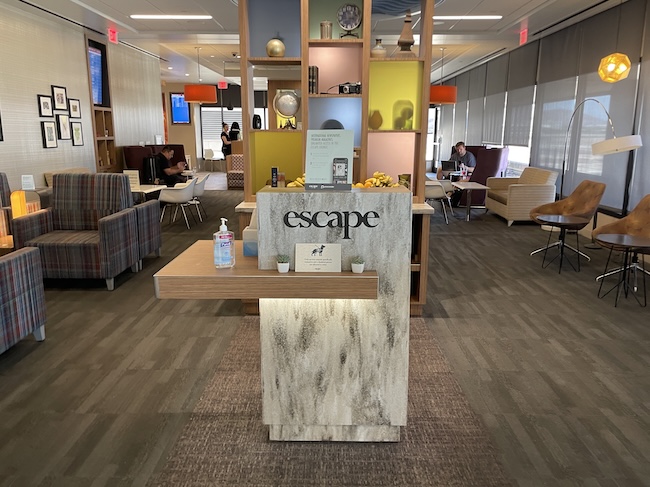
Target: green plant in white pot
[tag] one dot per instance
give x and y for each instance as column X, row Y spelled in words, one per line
column 358, row 263
column 283, row 263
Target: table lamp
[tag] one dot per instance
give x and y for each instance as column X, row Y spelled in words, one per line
column 604, row 147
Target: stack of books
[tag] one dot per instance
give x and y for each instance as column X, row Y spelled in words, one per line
column 313, row 80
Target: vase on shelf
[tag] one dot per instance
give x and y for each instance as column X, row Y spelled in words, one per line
column 378, row 51
column 275, row 48
column 375, row 120
column 406, row 39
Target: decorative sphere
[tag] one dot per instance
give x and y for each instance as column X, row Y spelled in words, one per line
column 286, row 103
column 275, row 48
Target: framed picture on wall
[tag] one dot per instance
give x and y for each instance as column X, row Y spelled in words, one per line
column 48, row 130
column 75, row 108
column 60, row 97
column 63, row 127
column 45, row 106
column 77, row 133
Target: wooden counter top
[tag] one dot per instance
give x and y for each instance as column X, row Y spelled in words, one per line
column 192, row 275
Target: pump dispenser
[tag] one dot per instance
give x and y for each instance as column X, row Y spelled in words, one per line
column 224, row 247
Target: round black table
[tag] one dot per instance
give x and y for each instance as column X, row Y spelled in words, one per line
column 564, row 223
column 631, row 246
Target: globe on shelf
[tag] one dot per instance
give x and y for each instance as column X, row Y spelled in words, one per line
column 286, row 104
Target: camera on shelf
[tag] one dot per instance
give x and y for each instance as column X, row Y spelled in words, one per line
column 350, row 88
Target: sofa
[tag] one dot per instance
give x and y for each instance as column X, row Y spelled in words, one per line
column 22, row 297
column 90, row 232
column 513, row 198
column 135, row 156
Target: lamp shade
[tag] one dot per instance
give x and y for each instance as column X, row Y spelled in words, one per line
column 614, row 67
column 200, row 94
column 18, row 204
column 617, row 144
column 442, row 94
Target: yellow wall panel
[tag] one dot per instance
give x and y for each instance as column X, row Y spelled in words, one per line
column 281, row 149
column 395, row 88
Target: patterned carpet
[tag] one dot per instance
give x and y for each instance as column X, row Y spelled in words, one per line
column 225, row 442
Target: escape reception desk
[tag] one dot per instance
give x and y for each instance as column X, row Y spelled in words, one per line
column 337, row 369
column 334, row 346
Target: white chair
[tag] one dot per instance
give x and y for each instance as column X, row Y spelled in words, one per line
column 199, row 189
column 178, row 196
column 434, row 189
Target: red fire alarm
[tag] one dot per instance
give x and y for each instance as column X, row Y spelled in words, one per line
column 112, row 36
column 222, row 85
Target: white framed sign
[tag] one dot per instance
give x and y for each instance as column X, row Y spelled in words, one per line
column 329, row 156
column 318, row 257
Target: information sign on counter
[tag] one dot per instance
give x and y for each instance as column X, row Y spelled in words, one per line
column 329, row 159
column 318, row 257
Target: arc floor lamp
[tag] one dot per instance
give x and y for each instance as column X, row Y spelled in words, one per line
column 604, row 147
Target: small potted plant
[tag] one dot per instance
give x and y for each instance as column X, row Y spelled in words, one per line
column 358, row 264
column 283, row 263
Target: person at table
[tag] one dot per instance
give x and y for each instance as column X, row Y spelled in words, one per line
column 225, row 138
column 465, row 160
column 166, row 171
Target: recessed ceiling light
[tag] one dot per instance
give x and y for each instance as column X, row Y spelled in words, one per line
column 467, row 17
column 169, row 67
column 211, row 56
column 187, row 74
column 171, row 17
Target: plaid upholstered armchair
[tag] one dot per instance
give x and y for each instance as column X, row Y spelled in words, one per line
column 90, row 232
column 22, row 298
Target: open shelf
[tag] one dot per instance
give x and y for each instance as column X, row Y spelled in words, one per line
column 270, row 61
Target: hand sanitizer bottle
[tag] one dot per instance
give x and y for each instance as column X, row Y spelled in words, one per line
column 224, row 247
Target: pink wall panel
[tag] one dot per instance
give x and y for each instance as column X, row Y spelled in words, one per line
column 391, row 153
column 336, row 65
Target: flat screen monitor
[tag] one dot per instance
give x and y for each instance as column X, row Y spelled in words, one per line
column 96, row 76
column 449, row 165
column 180, row 109
column 98, row 73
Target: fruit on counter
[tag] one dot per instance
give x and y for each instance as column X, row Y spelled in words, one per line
column 378, row 180
column 298, row 183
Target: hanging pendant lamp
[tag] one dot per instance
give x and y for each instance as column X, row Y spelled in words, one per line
column 199, row 93
column 442, row 94
column 615, row 67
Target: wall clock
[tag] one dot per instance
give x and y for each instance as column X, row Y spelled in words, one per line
column 349, row 18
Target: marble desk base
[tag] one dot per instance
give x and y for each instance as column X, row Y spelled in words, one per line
column 287, row 432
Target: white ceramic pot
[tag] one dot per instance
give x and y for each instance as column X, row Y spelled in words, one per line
column 283, row 267
column 357, row 268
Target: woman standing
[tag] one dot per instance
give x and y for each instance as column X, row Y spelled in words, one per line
column 225, row 138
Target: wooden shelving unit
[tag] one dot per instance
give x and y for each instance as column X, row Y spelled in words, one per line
column 104, row 140
column 339, row 60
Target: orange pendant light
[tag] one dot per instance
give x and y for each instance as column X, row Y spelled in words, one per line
column 442, row 94
column 200, row 93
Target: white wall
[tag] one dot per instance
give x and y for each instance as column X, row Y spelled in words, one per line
column 37, row 52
